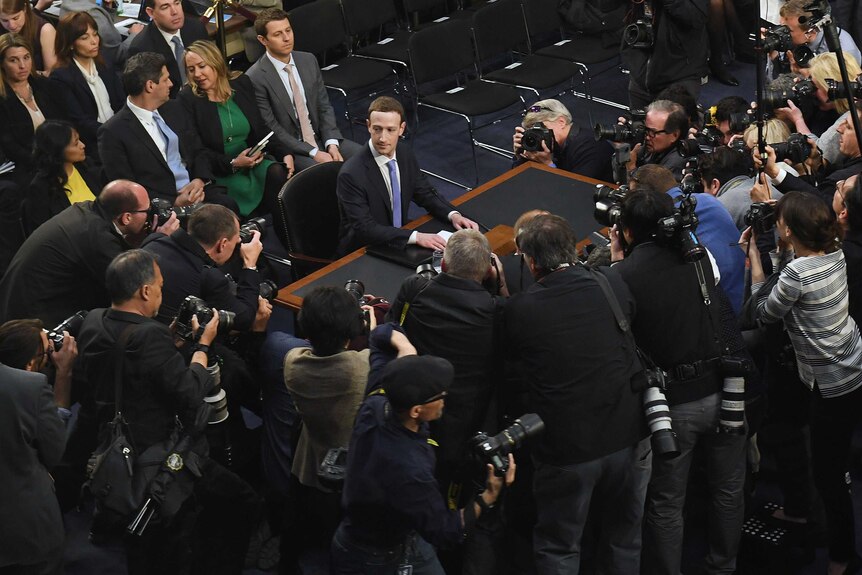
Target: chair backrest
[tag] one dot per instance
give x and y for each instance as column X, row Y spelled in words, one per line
column 308, row 218
column 542, row 17
column 499, row 27
column 441, row 50
column 318, row 26
column 419, row 5
column 363, row 16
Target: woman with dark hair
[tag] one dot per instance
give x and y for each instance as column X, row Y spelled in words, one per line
column 18, row 17
column 847, row 205
column 228, row 121
column 91, row 91
column 26, row 101
column 810, row 296
column 63, row 177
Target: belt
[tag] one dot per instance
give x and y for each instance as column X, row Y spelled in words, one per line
column 688, row 371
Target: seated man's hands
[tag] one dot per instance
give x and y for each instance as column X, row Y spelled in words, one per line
column 290, row 164
column 431, row 241
column 335, row 153
column 461, row 223
column 190, row 194
column 251, row 251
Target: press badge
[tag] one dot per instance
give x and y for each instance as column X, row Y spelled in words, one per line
column 405, row 570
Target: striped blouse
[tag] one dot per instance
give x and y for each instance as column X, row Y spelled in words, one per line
column 811, row 297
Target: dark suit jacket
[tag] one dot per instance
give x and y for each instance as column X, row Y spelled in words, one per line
column 80, row 103
column 366, row 212
column 852, row 247
column 128, row 151
column 46, row 197
column 825, row 187
column 204, row 115
column 16, row 135
column 33, row 438
column 60, row 269
column 151, row 40
column 277, row 109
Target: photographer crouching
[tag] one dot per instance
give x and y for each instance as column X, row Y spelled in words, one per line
column 548, row 135
column 158, row 388
column 678, row 326
column 393, row 510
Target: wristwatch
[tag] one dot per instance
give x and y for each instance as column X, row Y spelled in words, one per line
column 483, row 505
column 201, row 347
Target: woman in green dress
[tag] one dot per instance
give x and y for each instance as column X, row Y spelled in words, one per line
column 228, row 122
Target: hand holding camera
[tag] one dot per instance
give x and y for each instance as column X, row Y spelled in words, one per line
column 251, row 251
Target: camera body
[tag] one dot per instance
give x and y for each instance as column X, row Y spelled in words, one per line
column 246, row 231
column 761, row 217
column 633, row 132
column 796, row 149
column 268, row 290
column 495, row 450
column 835, row 90
column 71, row 324
column 608, row 204
column 162, row 209
column 535, row 135
column 195, row 306
column 639, row 34
column 679, row 229
column 777, row 39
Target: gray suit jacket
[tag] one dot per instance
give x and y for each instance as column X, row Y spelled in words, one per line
column 32, row 439
column 277, row 108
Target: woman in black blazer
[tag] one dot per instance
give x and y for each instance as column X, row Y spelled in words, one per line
column 63, row 176
column 228, row 121
column 26, row 100
column 90, row 91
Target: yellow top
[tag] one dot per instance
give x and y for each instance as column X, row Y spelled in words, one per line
column 77, row 189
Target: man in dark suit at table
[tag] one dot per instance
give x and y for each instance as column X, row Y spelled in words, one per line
column 305, row 124
column 168, row 33
column 151, row 140
column 375, row 188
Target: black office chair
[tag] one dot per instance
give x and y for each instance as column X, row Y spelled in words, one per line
column 319, row 28
column 308, row 218
column 445, row 51
column 500, row 35
column 375, row 30
column 423, row 13
column 586, row 50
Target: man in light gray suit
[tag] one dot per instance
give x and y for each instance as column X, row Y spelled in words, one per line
column 306, row 124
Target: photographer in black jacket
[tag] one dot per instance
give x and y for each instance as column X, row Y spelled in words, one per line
column 678, row 327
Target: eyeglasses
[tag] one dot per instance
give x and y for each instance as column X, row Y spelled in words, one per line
column 534, row 109
column 653, row 133
column 434, row 398
column 839, row 187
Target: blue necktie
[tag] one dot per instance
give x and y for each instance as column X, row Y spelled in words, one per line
column 178, row 54
column 175, row 162
column 396, row 193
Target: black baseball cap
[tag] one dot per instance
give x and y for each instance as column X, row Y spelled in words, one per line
column 416, row 380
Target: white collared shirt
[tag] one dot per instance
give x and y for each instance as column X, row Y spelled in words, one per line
column 285, row 80
column 145, row 117
column 170, row 37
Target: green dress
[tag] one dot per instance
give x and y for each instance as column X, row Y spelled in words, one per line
column 246, row 185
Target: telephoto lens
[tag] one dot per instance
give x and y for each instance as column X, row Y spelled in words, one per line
column 662, row 435
column 216, row 398
column 731, row 415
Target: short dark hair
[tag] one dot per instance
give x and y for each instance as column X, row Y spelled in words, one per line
column 328, row 318
column 212, row 222
column 724, row 164
column 642, row 210
column 127, row 273
column 550, row 241
column 20, row 341
column 386, row 104
column 266, row 16
column 679, row 94
column 118, row 197
column 809, row 218
column 140, row 69
column 729, row 105
column 654, row 176
column 853, row 203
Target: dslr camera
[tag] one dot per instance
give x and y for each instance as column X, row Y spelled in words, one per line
column 533, row 137
column 639, row 34
column 796, row 149
column 162, row 209
column 679, row 229
column 835, row 90
column 71, row 324
column 761, row 217
column 632, row 132
column 495, row 450
column 246, row 231
column 195, row 306
column 608, row 204
column 777, row 39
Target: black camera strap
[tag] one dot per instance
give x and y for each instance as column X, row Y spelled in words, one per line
column 119, row 362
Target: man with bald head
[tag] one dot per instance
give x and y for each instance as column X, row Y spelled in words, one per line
column 60, row 269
